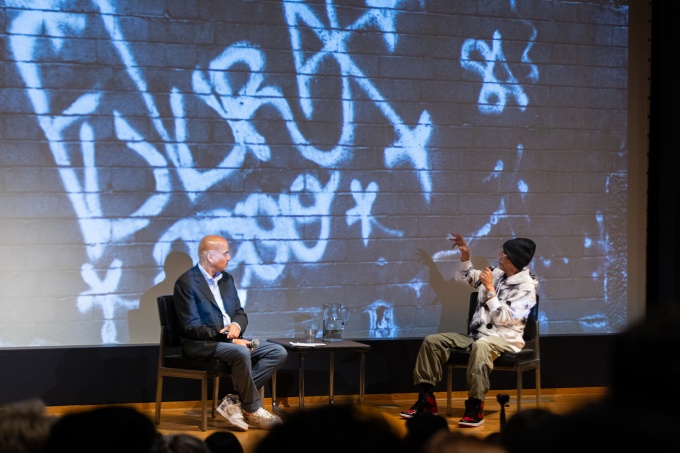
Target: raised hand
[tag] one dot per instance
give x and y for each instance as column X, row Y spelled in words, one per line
column 459, row 241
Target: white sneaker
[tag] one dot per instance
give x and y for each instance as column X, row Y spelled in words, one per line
column 230, row 408
column 261, row 418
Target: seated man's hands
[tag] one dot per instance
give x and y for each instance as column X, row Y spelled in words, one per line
column 232, row 331
column 242, row 342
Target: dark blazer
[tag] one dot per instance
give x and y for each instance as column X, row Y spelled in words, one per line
column 200, row 317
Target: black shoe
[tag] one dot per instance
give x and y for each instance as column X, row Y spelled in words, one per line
column 474, row 413
column 426, row 404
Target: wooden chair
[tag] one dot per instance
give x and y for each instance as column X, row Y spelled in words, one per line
column 529, row 358
column 171, row 363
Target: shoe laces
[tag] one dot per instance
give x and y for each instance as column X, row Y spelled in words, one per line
column 260, row 414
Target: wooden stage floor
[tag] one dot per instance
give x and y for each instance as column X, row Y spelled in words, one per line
column 183, row 417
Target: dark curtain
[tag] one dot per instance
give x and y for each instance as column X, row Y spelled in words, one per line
column 663, row 234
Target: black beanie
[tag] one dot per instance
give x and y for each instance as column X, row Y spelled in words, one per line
column 520, row 251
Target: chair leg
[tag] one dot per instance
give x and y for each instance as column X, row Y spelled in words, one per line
column 204, row 402
column 519, row 391
column 159, row 397
column 538, row 386
column 275, row 407
column 449, row 389
column 215, row 395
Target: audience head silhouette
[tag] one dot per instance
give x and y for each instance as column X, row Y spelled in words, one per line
column 102, row 430
column 642, row 377
column 333, row 429
column 185, row 443
column 24, row 427
column 223, row 442
column 421, row 428
column 455, row 442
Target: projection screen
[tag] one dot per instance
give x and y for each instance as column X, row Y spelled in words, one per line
column 334, row 144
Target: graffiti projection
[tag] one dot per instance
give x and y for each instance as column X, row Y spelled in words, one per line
column 300, row 180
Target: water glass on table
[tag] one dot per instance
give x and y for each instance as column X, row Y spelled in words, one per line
column 310, row 332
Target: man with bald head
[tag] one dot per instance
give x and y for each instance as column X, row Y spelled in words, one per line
column 212, row 324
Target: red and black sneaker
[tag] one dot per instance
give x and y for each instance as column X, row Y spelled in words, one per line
column 474, row 413
column 426, row 404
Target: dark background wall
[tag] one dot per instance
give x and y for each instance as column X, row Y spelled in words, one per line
column 123, row 374
column 663, row 243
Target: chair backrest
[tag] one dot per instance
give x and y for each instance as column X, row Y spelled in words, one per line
column 530, row 329
column 169, row 324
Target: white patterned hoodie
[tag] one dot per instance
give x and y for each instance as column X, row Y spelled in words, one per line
column 505, row 314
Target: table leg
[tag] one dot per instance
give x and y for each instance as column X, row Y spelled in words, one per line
column 301, row 381
column 275, row 406
column 362, row 382
column 330, row 379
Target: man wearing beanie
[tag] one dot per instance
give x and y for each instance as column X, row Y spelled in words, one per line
column 506, row 296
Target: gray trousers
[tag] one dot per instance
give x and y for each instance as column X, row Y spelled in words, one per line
column 250, row 370
column 435, row 350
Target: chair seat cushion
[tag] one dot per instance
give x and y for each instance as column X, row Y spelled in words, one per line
column 212, row 366
column 461, row 357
